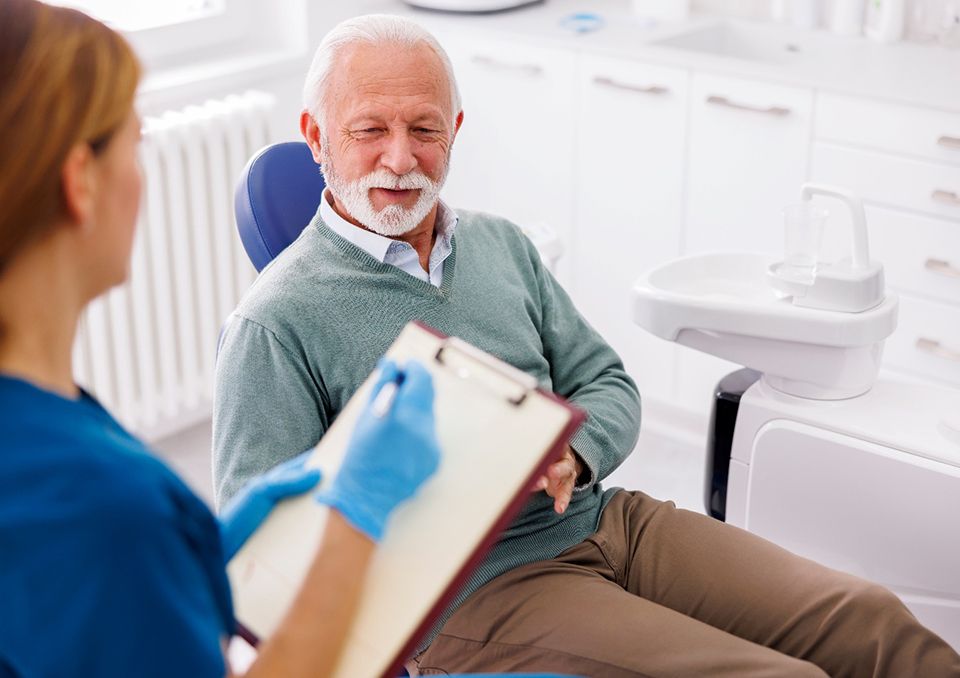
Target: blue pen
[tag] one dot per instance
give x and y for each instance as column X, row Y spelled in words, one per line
column 384, row 399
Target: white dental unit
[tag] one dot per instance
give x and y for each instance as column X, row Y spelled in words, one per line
column 822, row 457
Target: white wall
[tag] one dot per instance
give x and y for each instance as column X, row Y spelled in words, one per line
column 276, row 62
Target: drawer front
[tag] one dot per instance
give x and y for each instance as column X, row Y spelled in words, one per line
column 889, row 180
column 911, row 130
column 927, row 340
column 921, row 255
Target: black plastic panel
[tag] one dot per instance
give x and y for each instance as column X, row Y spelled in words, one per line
column 723, row 420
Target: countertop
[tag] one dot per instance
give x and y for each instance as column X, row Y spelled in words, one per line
column 907, row 73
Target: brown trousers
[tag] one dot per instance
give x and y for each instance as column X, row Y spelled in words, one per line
column 658, row 591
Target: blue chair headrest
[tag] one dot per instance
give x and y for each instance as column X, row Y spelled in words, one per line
column 277, row 196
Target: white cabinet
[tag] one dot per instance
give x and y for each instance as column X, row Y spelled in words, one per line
column 748, row 149
column 629, row 188
column 891, row 180
column 909, row 130
column 513, row 155
column 920, row 255
column 633, row 164
column 905, row 163
column 927, row 340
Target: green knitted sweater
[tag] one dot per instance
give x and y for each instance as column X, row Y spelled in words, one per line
column 316, row 321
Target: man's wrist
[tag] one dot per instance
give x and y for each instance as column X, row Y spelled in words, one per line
column 583, row 471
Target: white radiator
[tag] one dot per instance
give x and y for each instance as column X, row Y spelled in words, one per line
column 146, row 350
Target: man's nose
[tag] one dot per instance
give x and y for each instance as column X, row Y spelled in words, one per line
column 398, row 155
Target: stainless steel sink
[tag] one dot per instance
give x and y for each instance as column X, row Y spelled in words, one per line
column 738, row 41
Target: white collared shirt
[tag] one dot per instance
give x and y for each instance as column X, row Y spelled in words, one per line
column 396, row 252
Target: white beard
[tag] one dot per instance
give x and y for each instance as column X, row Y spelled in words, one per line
column 394, row 220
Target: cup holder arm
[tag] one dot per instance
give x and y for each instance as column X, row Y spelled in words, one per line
column 860, row 246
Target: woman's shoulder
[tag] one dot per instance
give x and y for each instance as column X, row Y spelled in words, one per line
column 94, row 526
column 76, row 459
column 80, row 488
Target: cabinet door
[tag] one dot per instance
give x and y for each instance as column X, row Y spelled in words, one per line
column 630, row 155
column 514, row 154
column 749, row 144
column 748, row 151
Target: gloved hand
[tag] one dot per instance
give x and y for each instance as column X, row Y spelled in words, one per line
column 253, row 503
column 389, row 456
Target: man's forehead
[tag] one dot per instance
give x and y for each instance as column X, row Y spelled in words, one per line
column 371, row 76
column 389, row 60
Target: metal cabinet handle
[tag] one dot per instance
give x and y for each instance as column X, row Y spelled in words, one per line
column 946, row 197
column 942, row 267
column 641, row 89
column 949, row 142
column 934, row 348
column 529, row 69
column 769, row 110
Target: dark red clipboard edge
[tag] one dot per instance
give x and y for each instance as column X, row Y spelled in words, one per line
column 577, row 417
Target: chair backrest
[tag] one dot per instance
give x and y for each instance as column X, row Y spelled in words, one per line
column 276, row 197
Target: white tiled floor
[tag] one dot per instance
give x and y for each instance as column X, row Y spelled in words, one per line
column 662, row 467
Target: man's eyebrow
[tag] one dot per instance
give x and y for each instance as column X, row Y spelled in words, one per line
column 365, row 114
column 362, row 120
column 362, row 117
column 434, row 118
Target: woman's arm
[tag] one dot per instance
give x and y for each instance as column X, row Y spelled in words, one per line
column 391, row 453
column 310, row 637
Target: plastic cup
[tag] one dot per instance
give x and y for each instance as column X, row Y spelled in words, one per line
column 803, row 231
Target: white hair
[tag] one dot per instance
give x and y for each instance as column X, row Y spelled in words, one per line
column 373, row 29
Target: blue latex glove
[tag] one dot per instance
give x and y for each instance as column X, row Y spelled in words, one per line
column 253, row 503
column 389, row 456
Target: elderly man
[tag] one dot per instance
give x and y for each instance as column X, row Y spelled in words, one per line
column 600, row 583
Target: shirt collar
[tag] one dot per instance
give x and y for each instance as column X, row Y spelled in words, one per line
column 375, row 244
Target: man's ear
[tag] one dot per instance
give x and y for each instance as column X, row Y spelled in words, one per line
column 311, row 134
column 78, row 180
column 456, row 126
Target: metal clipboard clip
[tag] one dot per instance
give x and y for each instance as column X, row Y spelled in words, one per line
column 464, row 359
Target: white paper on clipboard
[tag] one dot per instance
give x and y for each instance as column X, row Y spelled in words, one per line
column 497, row 433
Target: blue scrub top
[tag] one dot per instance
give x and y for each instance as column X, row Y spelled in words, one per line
column 109, row 565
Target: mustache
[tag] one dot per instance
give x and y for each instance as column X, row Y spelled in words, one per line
column 384, row 178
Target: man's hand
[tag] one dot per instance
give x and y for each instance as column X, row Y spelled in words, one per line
column 560, row 479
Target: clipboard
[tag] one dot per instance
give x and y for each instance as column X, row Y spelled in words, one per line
column 494, row 426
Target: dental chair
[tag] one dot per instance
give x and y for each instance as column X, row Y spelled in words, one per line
column 276, row 197
column 812, row 447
